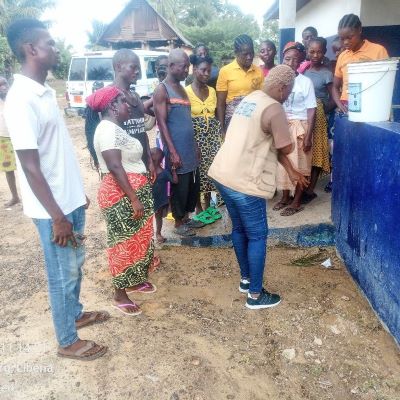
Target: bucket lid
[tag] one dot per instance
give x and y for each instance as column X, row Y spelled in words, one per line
column 376, row 65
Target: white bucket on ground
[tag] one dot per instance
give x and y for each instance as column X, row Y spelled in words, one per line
column 370, row 90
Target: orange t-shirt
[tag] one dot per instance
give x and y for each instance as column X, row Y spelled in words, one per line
column 367, row 52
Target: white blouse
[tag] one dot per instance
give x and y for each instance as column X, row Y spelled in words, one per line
column 110, row 136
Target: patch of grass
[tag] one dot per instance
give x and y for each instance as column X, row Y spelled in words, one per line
column 310, row 260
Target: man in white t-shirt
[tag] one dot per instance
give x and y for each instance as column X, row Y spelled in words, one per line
column 51, row 184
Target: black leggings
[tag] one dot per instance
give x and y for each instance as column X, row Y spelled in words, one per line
column 184, row 194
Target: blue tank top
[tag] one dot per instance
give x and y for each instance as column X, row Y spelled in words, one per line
column 180, row 127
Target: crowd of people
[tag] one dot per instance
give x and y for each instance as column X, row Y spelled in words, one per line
column 261, row 128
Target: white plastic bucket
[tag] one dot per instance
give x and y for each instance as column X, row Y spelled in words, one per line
column 370, row 90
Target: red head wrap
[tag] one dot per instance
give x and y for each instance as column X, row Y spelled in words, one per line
column 101, row 99
column 294, row 45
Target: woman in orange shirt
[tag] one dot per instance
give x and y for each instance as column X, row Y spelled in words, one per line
column 356, row 49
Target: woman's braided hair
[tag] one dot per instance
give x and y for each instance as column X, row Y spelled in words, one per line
column 322, row 41
column 242, row 40
column 350, row 21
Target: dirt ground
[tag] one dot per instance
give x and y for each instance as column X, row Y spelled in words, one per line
column 195, row 339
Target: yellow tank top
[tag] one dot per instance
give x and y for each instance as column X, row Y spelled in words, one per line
column 202, row 108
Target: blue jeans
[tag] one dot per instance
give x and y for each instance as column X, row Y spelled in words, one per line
column 64, row 275
column 249, row 233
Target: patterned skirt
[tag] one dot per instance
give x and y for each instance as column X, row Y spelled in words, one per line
column 299, row 159
column 320, row 149
column 230, row 109
column 7, row 157
column 129, row 241
column 207, row 133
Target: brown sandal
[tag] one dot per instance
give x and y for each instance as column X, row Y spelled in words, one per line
column 278, row 206
column 86, row 352
column 95, row 317
column 287, row 212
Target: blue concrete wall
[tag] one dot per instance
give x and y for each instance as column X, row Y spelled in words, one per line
column 285, row 35
column 366, row 211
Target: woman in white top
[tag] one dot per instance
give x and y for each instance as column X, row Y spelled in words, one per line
column 125, row 198
column 300, row 111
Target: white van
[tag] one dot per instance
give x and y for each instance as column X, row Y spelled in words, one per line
column 96, row 66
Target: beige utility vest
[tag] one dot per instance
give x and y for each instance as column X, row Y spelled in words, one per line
column 247, row 160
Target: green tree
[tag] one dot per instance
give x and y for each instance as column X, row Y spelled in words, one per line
column 61, row 71
column 219, row 37
column 168, row 9
column 11, row 10
column 270, row 31
column 213, row 22
column 98, row 28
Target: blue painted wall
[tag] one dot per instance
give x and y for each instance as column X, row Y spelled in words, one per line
column 366, row 211
column 285, row 36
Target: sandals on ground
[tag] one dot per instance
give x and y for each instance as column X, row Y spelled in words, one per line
column 145, row 287
column 85, row 353
column 120, row 307
column 214, row 213
column 278, row 206
column 95, row 317
column 287, row 212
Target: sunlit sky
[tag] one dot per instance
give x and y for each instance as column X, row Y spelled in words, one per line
column 72, row 18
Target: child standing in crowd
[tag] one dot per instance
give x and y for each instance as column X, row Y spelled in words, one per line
column 322, row 79
column 267, row 55
column 160, row 190
column 300, row 112
column 7, row 158
column 355, row 49
column 309, row 34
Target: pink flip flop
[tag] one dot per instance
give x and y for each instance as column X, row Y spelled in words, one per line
column 145, row 287
column 118, row 307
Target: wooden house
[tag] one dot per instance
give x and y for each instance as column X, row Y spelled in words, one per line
column 140, row 26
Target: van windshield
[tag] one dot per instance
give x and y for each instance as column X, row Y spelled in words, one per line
column 100, row 69
column 150, row 65
column 77, row 70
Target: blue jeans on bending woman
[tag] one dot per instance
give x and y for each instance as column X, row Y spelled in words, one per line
column 249, row 233
column 64, row 275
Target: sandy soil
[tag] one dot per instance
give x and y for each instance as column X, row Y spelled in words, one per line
column 195, row 339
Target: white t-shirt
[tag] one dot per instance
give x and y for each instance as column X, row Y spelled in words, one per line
column 3, row 127
column 109, row 136
column 34, row 121
column 301, row 98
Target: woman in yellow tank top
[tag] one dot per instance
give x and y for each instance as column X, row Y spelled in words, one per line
column 207, row 129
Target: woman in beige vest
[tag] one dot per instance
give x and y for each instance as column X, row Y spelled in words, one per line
column 244, row 173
